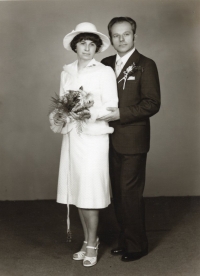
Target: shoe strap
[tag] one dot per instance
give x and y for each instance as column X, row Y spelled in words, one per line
column 85, row 242
column 80, row 253
column 90, row 259
column 92, row 247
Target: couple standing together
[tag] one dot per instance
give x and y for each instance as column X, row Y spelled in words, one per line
column 126, row 93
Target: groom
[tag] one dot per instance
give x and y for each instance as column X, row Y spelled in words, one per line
column 139, row 99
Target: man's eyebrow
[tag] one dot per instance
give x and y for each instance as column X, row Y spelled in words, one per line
column 123, row 33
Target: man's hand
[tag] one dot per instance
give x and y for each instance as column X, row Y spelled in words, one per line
column 113, row 116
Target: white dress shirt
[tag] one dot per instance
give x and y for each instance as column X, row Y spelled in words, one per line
column 123, row 60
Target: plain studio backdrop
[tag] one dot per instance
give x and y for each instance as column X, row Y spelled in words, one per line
column 32, row 57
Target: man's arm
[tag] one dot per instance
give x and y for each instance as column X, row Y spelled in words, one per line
column 150, row 97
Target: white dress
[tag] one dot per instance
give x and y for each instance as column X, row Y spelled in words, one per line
column 84, row 170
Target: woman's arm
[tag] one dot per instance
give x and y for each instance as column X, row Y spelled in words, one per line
column 57, row 128
column 109, row 91
column 62, row 81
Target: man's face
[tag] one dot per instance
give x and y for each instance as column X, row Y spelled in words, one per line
column 122, row 37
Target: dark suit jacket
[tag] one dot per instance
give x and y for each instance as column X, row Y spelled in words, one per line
column 137, row 102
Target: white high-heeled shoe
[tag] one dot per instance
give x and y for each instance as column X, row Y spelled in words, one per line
column 90, row 261
column 80, row 255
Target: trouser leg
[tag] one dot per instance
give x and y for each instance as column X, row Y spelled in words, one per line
column 115, row 172
column 128, row 180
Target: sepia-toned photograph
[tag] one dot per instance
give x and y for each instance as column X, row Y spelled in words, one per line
column 100, row 134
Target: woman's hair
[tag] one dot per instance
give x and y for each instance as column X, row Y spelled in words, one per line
column 120, row 20
column 86, row 36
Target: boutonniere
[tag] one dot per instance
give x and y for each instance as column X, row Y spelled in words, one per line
column 129, row 71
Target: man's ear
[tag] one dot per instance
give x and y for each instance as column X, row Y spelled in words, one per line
column 134, row 37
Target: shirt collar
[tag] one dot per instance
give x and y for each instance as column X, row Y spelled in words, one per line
column 73, row 67
column 125, row 58
column 92, row 62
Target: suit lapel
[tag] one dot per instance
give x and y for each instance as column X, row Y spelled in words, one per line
column 134, row 58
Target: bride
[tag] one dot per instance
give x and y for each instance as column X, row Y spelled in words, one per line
column 84, row 168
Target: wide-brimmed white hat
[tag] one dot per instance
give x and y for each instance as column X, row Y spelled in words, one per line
column 85, row 27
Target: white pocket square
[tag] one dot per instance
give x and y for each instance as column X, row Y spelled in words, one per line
column 131, row 78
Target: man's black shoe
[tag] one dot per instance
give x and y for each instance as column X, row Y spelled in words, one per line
column 133, row 256
column 117, row 251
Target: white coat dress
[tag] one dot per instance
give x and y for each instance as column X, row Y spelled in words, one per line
column 84, row 169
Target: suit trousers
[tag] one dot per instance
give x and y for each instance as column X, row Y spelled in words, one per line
column 127, row 173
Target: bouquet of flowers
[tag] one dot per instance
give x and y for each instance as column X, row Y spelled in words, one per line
column 73, row 106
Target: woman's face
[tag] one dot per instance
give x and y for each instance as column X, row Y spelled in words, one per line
column 86, row 49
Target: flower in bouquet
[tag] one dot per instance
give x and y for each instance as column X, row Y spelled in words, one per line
column 130, row 71
column 73, row 106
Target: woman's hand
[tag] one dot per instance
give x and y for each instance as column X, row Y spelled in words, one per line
column 84, row 114
column 59, row 118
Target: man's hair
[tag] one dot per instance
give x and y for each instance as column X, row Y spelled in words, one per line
column 120, row 20
column 86, row 36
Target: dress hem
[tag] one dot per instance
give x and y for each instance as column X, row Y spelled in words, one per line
column 64, row 202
